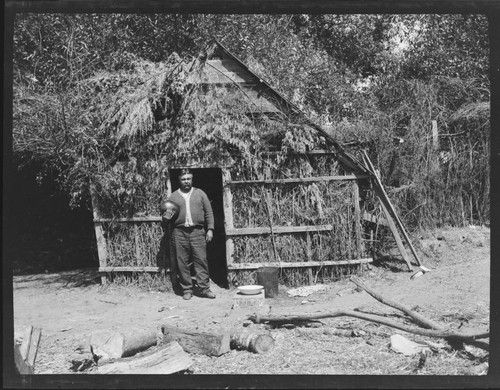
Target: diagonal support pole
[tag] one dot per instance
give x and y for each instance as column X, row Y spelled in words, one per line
column 397, row 237
column 379, row 188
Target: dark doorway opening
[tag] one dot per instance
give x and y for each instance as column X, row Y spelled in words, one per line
column 210, row 181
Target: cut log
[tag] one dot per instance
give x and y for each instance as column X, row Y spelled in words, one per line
column 166, row 359
column 107, row 345
column 200, row 343
column 249, row 340
column 26, row 348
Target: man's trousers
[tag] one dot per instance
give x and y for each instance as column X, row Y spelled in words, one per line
column 191, row 249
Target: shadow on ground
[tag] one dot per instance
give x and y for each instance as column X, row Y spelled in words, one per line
column 84, row 277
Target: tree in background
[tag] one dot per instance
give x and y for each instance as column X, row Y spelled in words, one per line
column 374, row 78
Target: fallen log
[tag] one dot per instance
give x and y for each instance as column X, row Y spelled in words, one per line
column 200, row 343
column 443, row 333
column 166, row 359
column 253, row 341
column 26, row 345
column 107, row 345
column 420, row 319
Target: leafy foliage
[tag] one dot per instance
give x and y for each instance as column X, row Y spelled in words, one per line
column 103, row 96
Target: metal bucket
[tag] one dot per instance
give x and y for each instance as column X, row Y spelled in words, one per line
column 268, row 277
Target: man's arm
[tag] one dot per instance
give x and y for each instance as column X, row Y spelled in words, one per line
column 207, row 211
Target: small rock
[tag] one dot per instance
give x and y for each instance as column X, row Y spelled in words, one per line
column 306, row 290
column 407, row 347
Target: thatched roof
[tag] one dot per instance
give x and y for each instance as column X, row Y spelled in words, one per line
column 150, row 97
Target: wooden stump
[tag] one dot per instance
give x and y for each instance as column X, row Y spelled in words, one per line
column 166, row 359
column 201, row 343
column 257, row 342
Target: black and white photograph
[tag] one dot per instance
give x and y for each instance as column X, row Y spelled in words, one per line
column 264, row 195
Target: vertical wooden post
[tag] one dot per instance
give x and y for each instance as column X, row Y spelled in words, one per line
column 267, row 197
column 136, row 243
column 227, row 198
column 309, row 258
column 349, row 235
column 357, row 219
column 99, row 234
column 434, row 150
column 169, row 263
column 435, row 135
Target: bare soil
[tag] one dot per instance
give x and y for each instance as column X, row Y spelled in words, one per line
column 70, row 306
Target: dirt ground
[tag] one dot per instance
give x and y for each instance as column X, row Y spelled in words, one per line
column 70, row 306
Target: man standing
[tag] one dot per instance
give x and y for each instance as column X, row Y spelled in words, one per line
column 192, row 230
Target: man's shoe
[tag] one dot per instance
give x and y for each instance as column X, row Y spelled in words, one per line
column 187, row 296
column 208, row 294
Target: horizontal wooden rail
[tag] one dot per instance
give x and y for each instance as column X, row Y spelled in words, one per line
column 238, row 266
column 277, row 230
column 129, row 269
column 294, row 153
column 299, row 179
column 315, row 151
column 147, row 218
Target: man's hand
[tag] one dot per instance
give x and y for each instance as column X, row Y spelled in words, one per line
column 168, row 215
column 210, row 235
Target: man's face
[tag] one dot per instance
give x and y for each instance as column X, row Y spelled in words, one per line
column 186, row 182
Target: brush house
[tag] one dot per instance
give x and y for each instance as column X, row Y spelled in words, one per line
column 284, row 193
